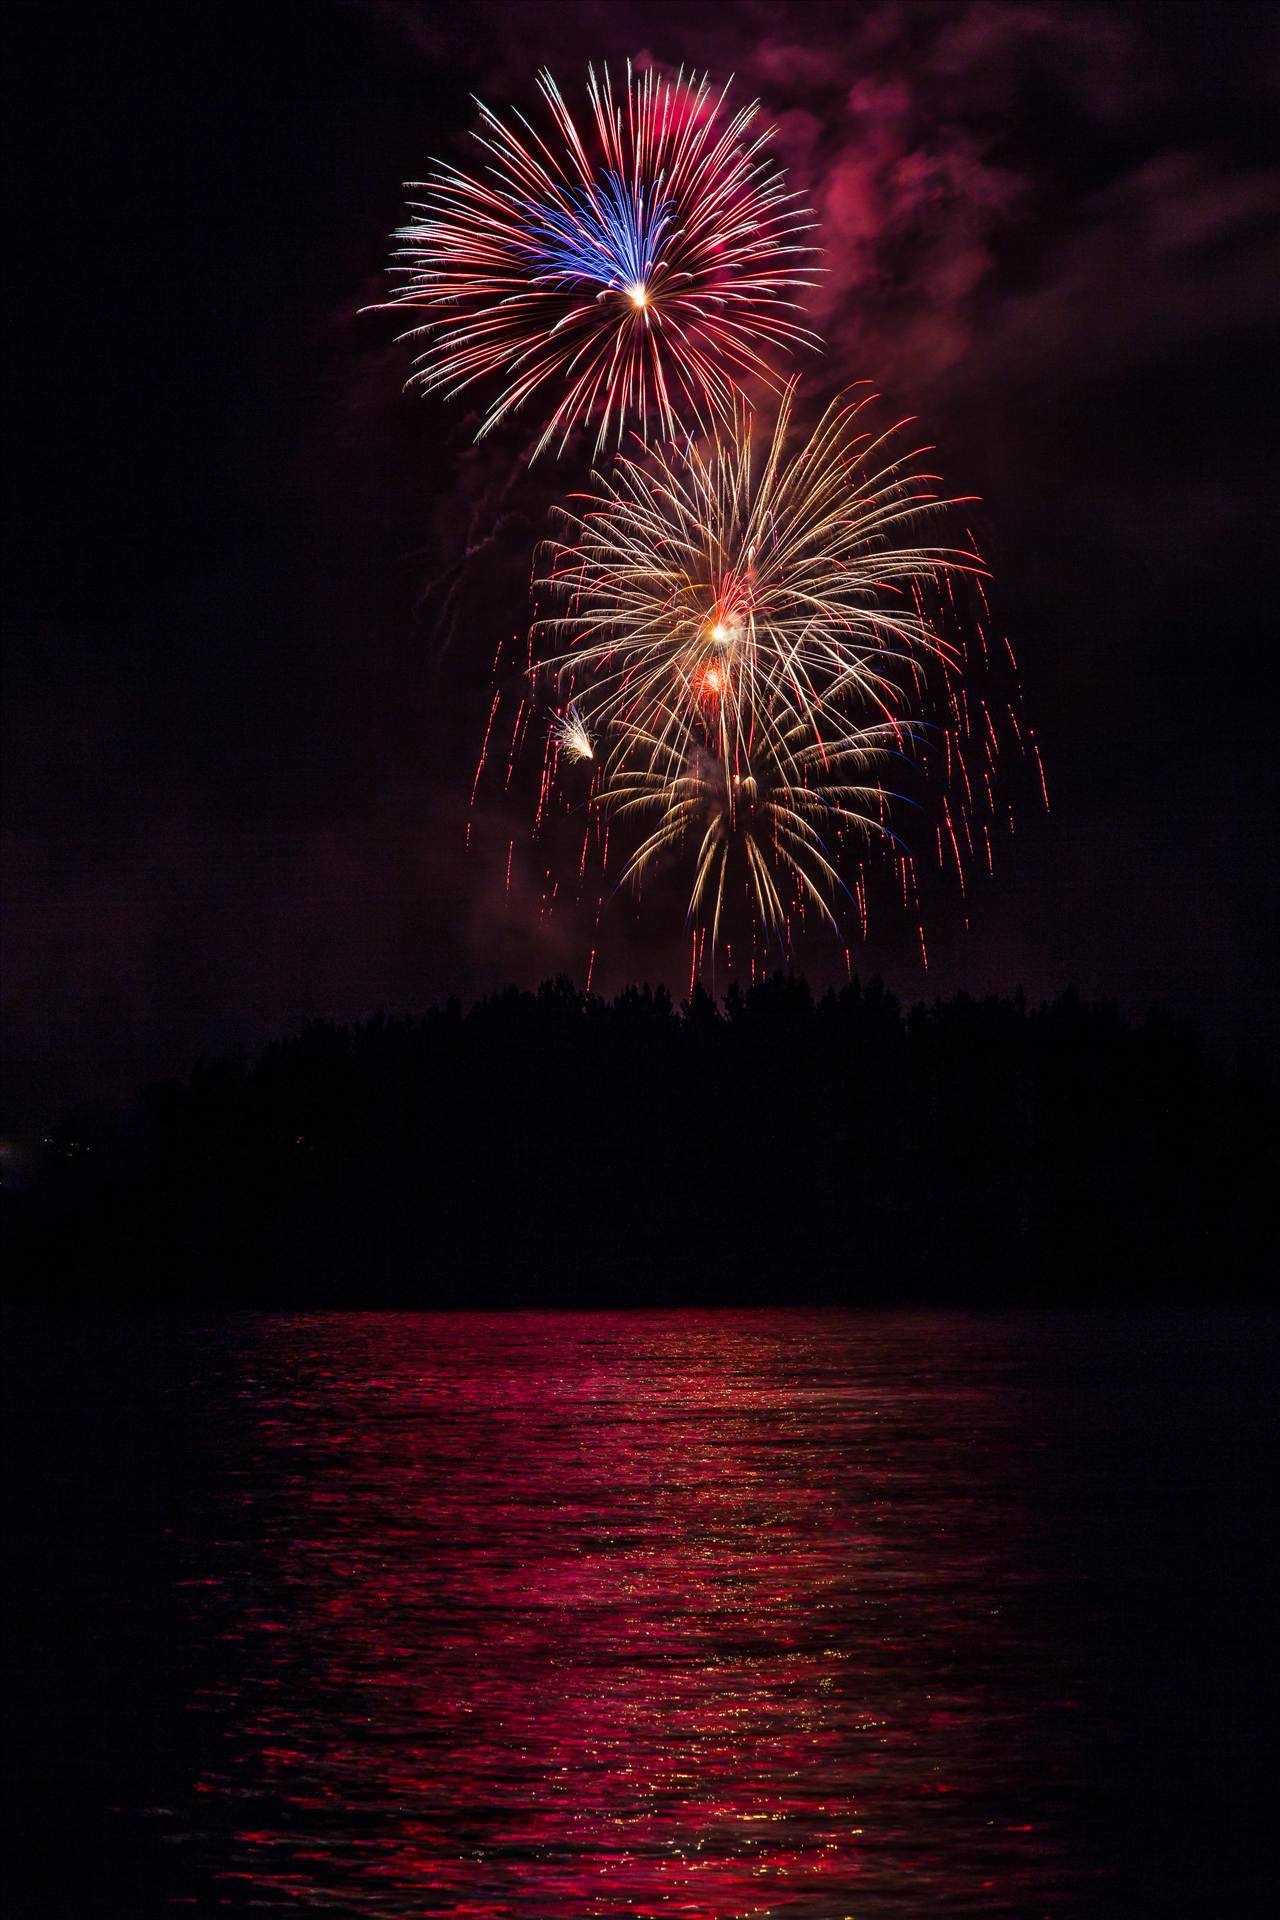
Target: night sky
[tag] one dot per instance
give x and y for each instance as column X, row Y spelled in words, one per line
column 246, row 680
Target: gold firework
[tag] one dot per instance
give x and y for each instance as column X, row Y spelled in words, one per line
column 746, row 632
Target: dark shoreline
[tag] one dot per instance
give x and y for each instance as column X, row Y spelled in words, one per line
column 552, row 1149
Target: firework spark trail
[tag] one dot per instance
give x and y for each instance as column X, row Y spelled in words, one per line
column 572, row 735
column 455, row 578
column 747, row 633
column 643, row 269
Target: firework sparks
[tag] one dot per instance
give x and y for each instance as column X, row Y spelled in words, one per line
column 779, row 836
column 750, row 631
column 571, row 733
column 641, row 268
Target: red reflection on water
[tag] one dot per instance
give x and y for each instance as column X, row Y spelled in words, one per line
column 564, row 1616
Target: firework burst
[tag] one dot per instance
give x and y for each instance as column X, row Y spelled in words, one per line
column 770, row 642
column 778, row 838
column 750, row 633
column 639, row 270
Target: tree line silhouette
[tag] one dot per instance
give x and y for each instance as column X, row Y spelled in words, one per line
column 556, row 1148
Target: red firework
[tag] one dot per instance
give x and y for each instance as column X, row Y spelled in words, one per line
column 642, row 269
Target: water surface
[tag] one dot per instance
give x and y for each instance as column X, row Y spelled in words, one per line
column 796, row 1614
